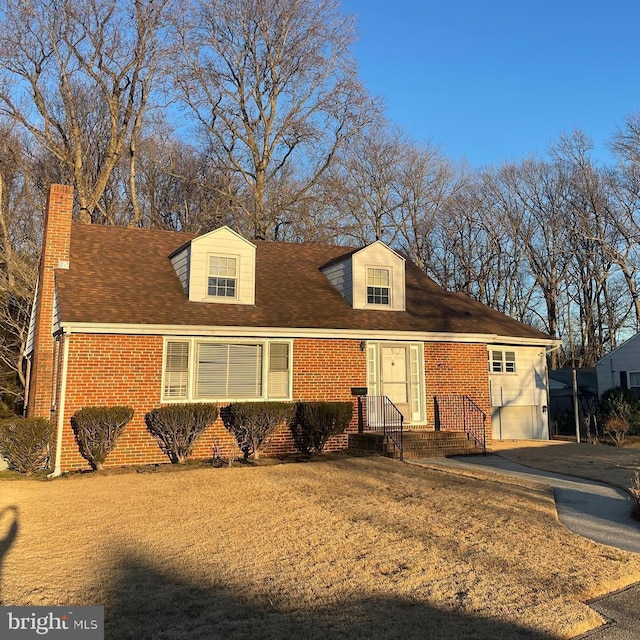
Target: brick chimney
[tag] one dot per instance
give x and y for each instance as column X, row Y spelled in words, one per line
column 55, row 255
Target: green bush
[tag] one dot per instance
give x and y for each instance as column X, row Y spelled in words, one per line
column 621, row 403
column 176, row 427
column 24, row 443
column 253, row 422
column 317, row 422
column 97, row 429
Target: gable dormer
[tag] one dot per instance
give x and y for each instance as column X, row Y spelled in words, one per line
column 217, row 267
column 370, row 278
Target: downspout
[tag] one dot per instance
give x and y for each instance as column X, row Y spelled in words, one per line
column 63, row 390
column 548, row 395
column 27, row 383
column 548, row 350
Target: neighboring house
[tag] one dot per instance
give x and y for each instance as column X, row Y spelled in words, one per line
column 561, row 406
column 620, row 367
column 147, row 317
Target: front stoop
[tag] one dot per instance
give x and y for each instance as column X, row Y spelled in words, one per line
column 416, row 444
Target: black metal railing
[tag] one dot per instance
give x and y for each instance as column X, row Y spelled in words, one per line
column 461, row 413
column 380, row 414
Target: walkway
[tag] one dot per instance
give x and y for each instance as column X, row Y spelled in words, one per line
column 591, row 509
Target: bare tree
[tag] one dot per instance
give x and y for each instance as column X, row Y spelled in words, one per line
column 274, row 87
column 19, row 242
column 179, row 187
column 503, row 279
column 367, row 184
column 78, row 75
column 598, row 258
column 428, row 184
column 625, row 187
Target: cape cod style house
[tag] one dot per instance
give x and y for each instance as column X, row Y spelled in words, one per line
column 147, row 317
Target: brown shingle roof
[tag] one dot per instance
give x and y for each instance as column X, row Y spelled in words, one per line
column 121, row 275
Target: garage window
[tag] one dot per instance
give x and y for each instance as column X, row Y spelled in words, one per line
column 502, row 362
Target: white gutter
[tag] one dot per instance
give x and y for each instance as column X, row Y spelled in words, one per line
column 63, row 390
column 299, row 332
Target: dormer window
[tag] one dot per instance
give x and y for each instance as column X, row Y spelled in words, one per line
column 369, row 278
column 378, row 286
column 217, row 268
column 223, row 274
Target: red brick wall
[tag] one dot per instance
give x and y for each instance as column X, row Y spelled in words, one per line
column 111, row 369
column 457, row 369
column 324, row 370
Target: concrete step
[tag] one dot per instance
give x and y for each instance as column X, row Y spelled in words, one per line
column 434, row 453
column 434, row 435
column 416, row 444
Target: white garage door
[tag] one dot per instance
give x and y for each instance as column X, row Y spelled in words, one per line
column 517, row 423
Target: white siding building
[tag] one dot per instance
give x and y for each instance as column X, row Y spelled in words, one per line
column 620, row 367
column 519, row 398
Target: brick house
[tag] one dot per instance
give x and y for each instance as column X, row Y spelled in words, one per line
column 147, row 317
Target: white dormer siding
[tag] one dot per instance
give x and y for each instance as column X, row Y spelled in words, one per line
column 218, row 267
column 378, row 278
column 371, row 278
column 340, row 275
column 28, row 349
column 181, row 262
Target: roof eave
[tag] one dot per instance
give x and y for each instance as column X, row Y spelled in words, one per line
column 301, row 332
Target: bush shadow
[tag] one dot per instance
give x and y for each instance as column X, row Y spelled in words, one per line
column 147, row 604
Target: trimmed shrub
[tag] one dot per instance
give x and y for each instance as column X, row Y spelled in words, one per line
column 616, row 427
column 97, row 429
column 253, row 422
column 176, row 427
column 24, row 443
column 317, row 422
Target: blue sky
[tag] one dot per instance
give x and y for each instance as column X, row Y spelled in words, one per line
column 496, row 80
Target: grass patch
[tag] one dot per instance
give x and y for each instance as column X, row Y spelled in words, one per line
column 350, row 548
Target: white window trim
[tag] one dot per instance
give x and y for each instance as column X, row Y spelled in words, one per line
column 629, row 374
column 371, row 305
column 222, row 299
column 192, row 369
column 373, row 375
column 503, row 362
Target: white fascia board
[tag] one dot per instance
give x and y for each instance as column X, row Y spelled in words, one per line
column 220, row 230
column 295, row 332
column 386, row 246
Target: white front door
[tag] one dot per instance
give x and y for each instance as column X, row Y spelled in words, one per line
column 394, row 376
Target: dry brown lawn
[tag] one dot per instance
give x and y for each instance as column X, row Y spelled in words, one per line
column 615, row 465
column 348, row 548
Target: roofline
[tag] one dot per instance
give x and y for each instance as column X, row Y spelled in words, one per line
column 613, row 351
column 183, row 246
column 386, row 246
column 300, row 332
